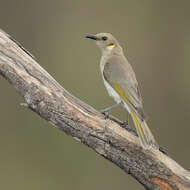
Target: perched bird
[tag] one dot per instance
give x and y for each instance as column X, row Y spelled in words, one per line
column 121, row 84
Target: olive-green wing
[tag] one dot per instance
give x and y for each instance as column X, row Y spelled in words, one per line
column 120, row 75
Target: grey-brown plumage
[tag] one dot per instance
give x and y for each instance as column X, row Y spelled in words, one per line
column 126, row 78
column 121, row 83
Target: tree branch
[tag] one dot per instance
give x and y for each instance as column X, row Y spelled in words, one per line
column 51, row 101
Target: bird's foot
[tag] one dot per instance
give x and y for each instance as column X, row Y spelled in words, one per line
column 125, row 123
column 163, row 150
column 105, row 112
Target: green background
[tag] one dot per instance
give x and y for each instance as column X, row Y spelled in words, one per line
column 155, row 36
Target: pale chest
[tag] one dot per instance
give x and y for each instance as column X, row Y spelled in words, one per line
column 109, row 88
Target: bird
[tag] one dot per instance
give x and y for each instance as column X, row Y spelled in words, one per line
column 121, row 83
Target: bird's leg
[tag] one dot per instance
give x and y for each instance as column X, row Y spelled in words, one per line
column 106, row 110
column 126, row 122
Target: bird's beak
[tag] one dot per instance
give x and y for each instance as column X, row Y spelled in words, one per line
column 91, row 37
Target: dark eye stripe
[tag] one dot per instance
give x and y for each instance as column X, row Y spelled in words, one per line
column 104, row 38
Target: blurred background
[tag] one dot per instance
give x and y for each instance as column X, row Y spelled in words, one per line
column 155, row 36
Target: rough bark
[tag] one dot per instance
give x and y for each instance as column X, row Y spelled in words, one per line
column 42, row 94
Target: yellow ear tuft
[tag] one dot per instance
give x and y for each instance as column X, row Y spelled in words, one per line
column 111, row 46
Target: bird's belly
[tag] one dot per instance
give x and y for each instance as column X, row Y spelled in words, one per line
column 112, row 92
column 115, row 95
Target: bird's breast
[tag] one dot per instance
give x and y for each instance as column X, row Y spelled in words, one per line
column 111, row 91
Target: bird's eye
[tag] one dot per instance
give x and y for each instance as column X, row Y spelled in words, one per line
column 104, row 38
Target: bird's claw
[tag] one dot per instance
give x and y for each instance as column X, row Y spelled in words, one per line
column 106, row 113
column 125, row 123
column 163, row 150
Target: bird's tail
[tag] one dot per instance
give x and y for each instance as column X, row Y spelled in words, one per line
column 146, row 137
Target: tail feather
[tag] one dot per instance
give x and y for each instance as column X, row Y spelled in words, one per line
column 146, row 137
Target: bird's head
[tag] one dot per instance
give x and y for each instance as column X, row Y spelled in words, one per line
column 105, row 41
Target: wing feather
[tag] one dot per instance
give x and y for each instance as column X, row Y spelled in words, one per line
column 120, row 75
